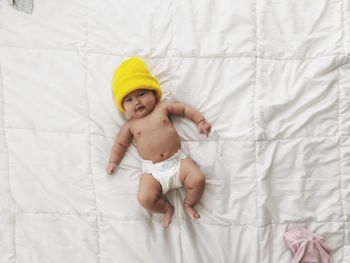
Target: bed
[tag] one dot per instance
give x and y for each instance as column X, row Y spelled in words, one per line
column 273, row 78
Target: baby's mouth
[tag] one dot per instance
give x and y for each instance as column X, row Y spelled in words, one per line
column 140, row 108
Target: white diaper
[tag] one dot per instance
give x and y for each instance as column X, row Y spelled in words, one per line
column 166, row 172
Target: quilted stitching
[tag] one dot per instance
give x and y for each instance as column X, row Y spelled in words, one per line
column 271, row 76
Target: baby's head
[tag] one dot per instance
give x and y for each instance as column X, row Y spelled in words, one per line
column 140, row 103
column 132, row 79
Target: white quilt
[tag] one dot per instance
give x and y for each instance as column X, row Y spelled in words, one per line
column 273, row 78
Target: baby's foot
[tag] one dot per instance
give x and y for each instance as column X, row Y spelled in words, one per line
column 191, row 211
column 167, row 216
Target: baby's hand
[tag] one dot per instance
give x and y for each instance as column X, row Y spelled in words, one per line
column 204, row 127
column 111, row 167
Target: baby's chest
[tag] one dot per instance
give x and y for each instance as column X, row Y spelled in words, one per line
column 154, row 124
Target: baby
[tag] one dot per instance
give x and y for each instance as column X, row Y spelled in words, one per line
column 164, row 165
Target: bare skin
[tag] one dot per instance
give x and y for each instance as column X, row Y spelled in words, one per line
column 157, row 140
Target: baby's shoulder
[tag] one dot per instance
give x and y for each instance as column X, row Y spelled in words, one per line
column 160, row 105
column 134, row 123
column 127, row 125
column 164, row 105
column 162, row 108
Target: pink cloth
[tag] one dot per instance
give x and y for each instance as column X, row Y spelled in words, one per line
column 307, row 247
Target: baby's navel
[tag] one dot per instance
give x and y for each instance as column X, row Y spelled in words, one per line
column 165, row 121
column 138, row 133
column 161, row 155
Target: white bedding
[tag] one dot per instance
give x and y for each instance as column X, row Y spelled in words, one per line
column 273, row 78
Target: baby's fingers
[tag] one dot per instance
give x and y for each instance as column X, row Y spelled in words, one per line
column 110, row 168
column 200, row 130
column 204, row 131
column 207, row 130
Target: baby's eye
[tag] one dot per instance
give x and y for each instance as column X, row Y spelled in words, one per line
column 127, row 99
column 141, row 94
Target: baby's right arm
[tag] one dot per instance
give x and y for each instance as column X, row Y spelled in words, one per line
column 119, row 148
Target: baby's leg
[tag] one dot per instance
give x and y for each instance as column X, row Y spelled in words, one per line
column 194, row 182
column 150, row 197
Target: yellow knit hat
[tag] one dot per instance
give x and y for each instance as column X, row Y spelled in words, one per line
column 131, row 75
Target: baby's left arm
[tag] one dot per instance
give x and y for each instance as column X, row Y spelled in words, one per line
column 190, row 113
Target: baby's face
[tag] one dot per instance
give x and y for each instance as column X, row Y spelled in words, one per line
column 139, row 103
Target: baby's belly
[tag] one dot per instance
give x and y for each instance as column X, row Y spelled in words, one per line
column 158, row 147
